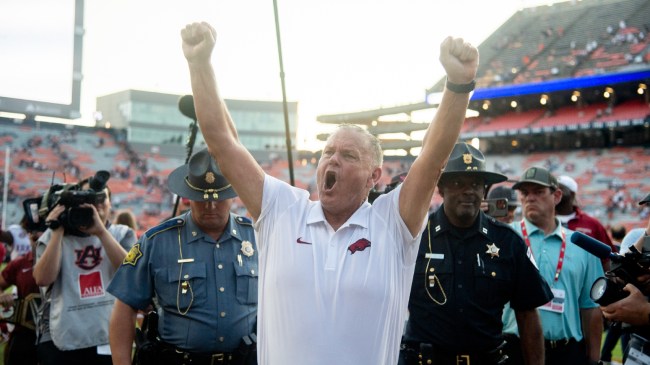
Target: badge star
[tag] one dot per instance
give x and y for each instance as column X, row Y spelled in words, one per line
column 492, row 250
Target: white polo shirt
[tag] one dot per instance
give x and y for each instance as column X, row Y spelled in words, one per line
column 331, row 297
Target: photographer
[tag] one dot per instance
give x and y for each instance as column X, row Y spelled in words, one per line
column 74, row 265
column 634, row 309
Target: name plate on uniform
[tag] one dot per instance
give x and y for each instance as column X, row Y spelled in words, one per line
column 437, row 256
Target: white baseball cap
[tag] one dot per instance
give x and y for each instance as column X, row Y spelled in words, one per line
column 568, row 182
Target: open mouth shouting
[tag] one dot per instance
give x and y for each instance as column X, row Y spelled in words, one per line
column 330, row 180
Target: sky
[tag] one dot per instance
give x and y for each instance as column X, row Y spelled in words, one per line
column 339, row 55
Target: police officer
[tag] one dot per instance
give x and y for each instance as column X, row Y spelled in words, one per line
column 468, row 267
column 201, row 269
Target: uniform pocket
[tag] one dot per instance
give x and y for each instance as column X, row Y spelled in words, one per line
column 178, row 289
column 246, row 283
column 493, row 284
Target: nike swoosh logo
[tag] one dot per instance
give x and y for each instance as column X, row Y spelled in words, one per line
column 27, row 269
column 299, row 240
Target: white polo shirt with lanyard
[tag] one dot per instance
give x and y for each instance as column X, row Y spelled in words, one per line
column 331, row 297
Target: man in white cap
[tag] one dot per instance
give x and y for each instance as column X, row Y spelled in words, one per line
column 572, row 217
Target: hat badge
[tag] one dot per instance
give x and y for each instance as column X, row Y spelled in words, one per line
column 467, row 158
column 247, row 248
column 209, row 177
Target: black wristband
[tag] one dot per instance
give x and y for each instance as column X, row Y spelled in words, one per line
column 460, row 88
column 53, row 224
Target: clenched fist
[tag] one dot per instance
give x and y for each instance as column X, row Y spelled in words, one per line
column 460, row 60
column 198, row 42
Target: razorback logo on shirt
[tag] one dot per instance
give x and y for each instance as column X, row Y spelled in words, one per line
column 359, row 245
column 89, row 257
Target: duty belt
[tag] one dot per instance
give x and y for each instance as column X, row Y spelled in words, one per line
column 172, row 355
column 432, row 355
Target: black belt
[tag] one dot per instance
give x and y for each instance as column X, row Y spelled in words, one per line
column 178, row 356
column 559, row 344
column 429, row 354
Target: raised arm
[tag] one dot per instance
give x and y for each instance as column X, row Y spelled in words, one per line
column 237, row 164
column 460, row 60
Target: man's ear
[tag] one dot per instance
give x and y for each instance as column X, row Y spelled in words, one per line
column 557, row 194
column 374, row 176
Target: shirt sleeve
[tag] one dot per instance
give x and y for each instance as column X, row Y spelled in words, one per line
column 531, row 290
column 134, row 269
column 388, row 206
column 277, row 199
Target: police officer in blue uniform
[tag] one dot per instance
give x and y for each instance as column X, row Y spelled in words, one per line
column 200, row 269
column 469, row 266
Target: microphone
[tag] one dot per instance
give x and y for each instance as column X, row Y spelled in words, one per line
column 186, row 106
column 593, row 246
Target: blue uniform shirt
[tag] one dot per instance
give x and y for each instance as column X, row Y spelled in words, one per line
column 207, row 299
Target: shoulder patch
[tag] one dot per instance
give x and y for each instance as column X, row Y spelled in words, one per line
column 133, row 256
column 168, row 224
column 243, row 220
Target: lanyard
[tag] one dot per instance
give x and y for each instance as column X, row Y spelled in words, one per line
column 560, row 260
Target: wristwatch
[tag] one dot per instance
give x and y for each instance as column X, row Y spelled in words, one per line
column 53, row 224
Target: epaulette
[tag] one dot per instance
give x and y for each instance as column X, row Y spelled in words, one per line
column 168, row 224
column 243, row 220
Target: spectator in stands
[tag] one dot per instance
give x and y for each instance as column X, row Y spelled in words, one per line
column 454, row 310
column 572, row 217
column 74, row 270
column 571, row 322
column 21, row 347
column 505, row 192
column 203, row 249
column 315, row 296
column 127, row 218
column 617, row 232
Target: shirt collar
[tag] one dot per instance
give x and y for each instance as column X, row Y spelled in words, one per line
column 531, row 228
column 194, row 233
column 442, row 223
column 359, row 218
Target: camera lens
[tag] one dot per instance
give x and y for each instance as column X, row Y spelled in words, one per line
column 98, row 182
column 605, row 291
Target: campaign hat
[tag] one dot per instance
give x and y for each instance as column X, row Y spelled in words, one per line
column 467, row 160
column 200, row 180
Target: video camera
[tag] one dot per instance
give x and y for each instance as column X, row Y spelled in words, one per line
column 624, row 269
column 72, row 197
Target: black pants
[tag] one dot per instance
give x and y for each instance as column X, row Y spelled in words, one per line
column 21, row 348
column 573, row 353
column 49, row 354
column 558, row 353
